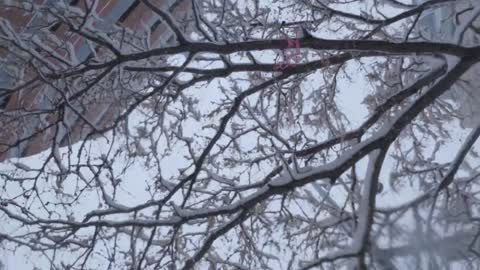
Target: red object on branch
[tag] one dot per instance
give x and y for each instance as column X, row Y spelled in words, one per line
column 290, row 58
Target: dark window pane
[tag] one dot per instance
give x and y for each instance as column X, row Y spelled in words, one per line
column 55, row 27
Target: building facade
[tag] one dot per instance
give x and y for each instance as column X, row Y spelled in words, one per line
column 27, row 127
column 439, row 25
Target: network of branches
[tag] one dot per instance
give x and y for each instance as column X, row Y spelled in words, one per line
column 209, row 156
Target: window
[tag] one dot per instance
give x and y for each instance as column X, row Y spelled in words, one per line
column 3, row 102
column 5, row 96
column 55, row 27
column 427, row 24
column 447, row 22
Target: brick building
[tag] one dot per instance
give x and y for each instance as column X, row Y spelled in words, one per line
column 439, row 24
column 26, row 125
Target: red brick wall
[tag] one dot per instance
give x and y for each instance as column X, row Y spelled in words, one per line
column 13, row 128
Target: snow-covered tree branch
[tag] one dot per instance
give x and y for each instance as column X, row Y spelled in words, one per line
column 219, row 134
